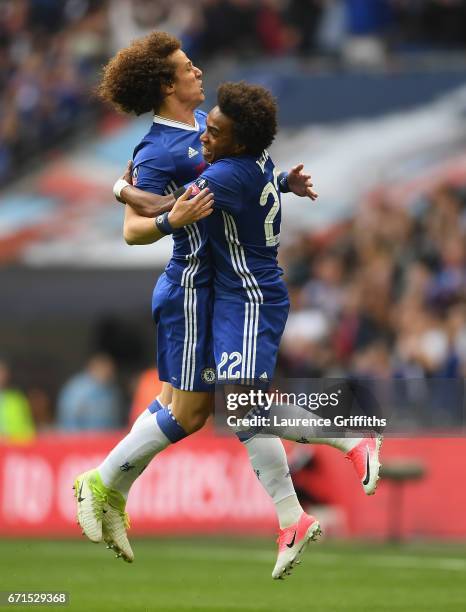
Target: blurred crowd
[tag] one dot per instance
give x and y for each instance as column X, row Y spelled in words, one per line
column 90, row 400
column 383, row 295
column 50, row 54
column 357, row 31
column 51, row 51
column 254, row 27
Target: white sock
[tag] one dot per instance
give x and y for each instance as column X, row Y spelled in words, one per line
column 127, row 460
column 268, row 459
column 289, row 510
column 141, row 419
column 305, row 434
column 148, row 412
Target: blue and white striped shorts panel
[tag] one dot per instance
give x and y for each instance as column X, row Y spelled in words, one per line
column 246, row 338
column 184, row 340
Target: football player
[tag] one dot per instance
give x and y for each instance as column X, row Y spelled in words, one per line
column 250, row 304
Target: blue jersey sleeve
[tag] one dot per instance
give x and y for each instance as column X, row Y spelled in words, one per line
column 223, row 180
column 154, row 173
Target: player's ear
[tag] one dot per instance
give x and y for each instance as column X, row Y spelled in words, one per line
column 168, row 88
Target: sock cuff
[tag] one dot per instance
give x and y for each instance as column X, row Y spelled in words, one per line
column 155, row 406
column 169, row 425
column 254, row 430
column 244, row 436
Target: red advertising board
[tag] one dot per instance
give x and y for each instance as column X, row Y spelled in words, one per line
column 205, row 484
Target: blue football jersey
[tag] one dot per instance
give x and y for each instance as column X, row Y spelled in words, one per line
column 244, row 229
column 168, row 157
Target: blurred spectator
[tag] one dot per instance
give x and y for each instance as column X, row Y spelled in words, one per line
column 331, row 30
column 367, row 18
column 367, row 24
column 16, row 424
column 142, row 16
column 324, row 289
column 305, row 17
column 273, row 34
column 91, row 400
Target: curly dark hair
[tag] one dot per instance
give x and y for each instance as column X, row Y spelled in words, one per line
column 253, row 111
column 132, row 80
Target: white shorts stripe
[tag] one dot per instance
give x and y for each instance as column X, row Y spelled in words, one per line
column 186, row 338
column 194, row 340
column 245, row 340
column 190, row 305
column 255, row 297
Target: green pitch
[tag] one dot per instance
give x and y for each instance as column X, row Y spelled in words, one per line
column 213, row 575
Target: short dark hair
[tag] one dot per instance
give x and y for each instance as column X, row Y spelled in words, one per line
column 132, row 80
column 253, row 111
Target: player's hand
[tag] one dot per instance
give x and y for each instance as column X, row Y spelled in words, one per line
column 300, row 183
column 144, row 203
column 186, row 211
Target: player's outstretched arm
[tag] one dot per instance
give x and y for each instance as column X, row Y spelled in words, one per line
column 143, row 203
column 142, row 230
column 298, row 182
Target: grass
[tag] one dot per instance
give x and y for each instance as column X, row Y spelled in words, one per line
column 216, row 575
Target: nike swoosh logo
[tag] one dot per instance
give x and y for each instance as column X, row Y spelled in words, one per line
column 368, row 471
column 291, row 544
column 80, row 499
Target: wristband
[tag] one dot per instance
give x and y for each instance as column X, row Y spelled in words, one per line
column 179, row 192
column 283, row 182
column 118, row 186
column 163, row 224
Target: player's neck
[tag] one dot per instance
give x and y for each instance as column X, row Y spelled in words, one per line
column 175, row 111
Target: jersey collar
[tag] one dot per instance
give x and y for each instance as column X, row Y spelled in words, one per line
column 177, row 124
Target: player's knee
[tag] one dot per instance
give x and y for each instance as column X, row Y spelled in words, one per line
column 191, row 409
column 190, row 420
column 197, row 420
